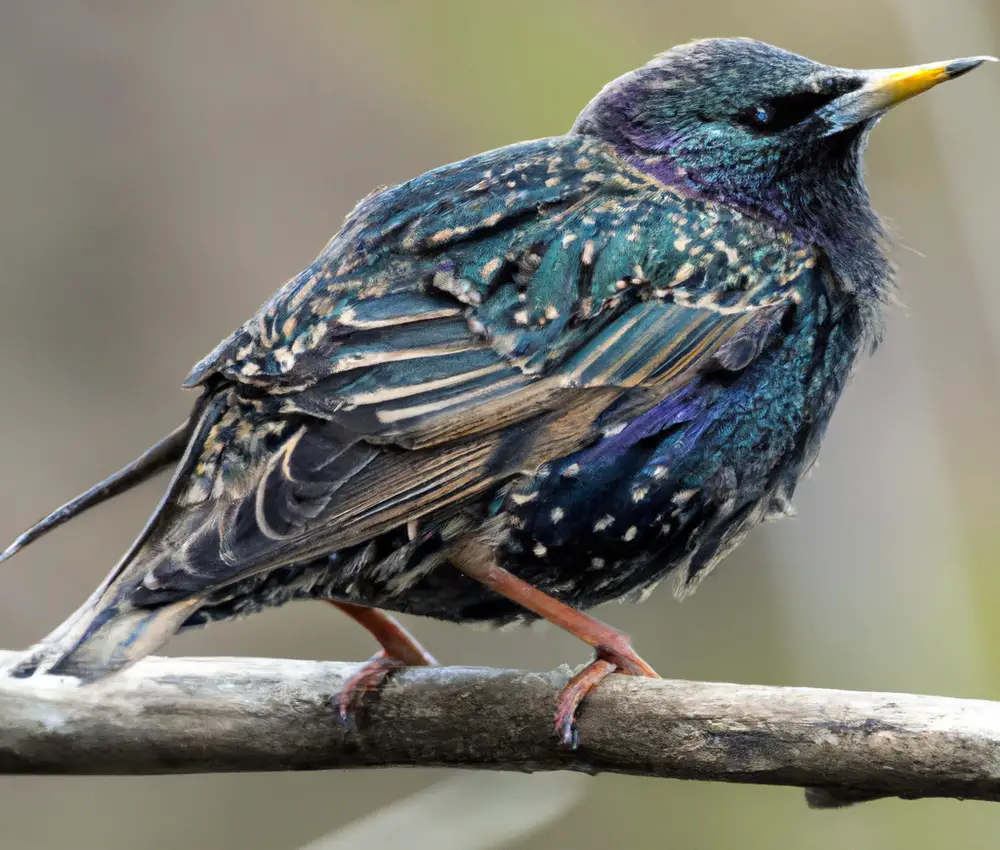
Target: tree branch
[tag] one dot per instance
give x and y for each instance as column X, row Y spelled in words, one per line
column 188, row 715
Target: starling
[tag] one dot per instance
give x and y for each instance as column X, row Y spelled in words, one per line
column 529, row 382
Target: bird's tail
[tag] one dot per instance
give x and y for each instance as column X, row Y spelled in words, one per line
column 97, row 641
column 108, row 632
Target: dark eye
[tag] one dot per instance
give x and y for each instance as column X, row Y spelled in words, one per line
column 780, row 113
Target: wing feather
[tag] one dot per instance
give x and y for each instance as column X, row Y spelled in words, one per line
column 453, row 336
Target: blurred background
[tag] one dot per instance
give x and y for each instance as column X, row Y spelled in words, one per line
column 163, row 167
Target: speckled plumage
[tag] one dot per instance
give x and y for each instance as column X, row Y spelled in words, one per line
column 605, row 355
column 653, row 286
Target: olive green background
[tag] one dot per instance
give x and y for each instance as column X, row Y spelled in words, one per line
column 164, row 166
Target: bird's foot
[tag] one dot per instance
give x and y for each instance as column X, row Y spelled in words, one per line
column 607, row 660
column 372, row 675
column 399, row 649
column 613, row 650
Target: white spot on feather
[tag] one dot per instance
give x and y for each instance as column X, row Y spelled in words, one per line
column 284, row 358
column 682, row 497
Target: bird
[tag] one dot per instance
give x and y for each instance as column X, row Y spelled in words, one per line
column 529, row 382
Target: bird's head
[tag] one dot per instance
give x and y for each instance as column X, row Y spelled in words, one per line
column 766, row 130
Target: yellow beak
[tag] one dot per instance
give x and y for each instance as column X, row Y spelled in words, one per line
column 887, row 88
column 883, row 89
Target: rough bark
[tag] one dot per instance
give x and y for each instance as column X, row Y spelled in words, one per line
column 188, row 715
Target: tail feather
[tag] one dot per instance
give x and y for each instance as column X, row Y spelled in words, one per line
column 155, row 459
column 109, row 632
column 119, row 638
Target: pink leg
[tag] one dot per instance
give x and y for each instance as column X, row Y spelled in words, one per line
column 399, row 649
column 613, row 649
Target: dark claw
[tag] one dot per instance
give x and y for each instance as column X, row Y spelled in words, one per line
column 606, row 661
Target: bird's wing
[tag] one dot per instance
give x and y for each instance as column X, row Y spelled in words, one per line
column 474, row 323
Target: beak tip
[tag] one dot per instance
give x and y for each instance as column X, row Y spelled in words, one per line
column 962, row 66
